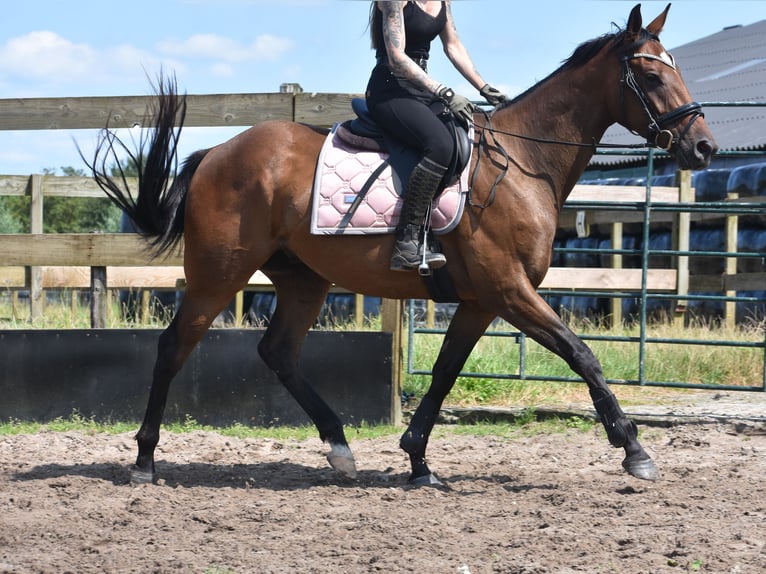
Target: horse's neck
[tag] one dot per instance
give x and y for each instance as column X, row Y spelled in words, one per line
column 564, row 108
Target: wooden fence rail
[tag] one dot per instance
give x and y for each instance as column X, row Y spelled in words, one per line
column 40, row 261
column 217, row 110
column 121, row 259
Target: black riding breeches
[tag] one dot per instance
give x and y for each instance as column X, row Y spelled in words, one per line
column 415, row 125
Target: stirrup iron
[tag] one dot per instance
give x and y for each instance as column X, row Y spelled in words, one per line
column 424, row 270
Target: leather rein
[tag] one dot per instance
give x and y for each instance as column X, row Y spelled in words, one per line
column 658, row 136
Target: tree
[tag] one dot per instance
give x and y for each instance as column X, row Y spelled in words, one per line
column 61, row 214
column 79, row 214
column 9, row 222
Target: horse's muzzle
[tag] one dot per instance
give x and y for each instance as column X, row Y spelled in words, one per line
column 695, row 153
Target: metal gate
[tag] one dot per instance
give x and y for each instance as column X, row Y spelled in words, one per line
column 726, row 292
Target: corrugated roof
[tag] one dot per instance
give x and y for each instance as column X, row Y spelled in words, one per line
column 729, row 66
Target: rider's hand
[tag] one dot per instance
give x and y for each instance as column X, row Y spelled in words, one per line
column 492, row 95
column 458, row 105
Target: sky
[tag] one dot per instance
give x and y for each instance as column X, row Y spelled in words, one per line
column 50, row 48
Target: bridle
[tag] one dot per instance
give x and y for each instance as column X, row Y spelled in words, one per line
column 658, row 134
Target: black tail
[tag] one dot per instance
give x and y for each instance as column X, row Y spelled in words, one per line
column 158, row 208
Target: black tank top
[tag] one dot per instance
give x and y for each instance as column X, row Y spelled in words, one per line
column 420, row 29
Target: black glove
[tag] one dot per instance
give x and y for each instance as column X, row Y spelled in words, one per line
column 459, row 105
column 492, row 95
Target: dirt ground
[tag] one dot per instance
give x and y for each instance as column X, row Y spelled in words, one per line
column 538, row 504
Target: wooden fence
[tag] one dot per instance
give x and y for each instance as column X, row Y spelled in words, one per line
column 39, row 261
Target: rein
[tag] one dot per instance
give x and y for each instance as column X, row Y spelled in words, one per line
column 484, row 142
column 658, row 136
column 593, row 145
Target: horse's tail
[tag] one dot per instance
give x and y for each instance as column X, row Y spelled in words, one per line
column 157, row 209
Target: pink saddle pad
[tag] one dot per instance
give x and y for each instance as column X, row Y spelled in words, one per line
column 341, row 173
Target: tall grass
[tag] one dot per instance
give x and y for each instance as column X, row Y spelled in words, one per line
column 67, row 309
column 678, row 363
column 663, row 362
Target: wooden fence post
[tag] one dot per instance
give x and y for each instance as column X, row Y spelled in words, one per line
column 35, row 279
column 144, row 310
column 391, row 321
column 359, row 311
column 732, row 227
column 682, row 229
column 98, row 297
column 616, row 302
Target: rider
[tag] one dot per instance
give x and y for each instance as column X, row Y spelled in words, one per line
column 405, row 101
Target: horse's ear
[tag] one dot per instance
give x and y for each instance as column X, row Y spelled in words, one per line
column 658, row 23
column 634, row 21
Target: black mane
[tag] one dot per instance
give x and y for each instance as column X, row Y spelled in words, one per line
column 586, row 51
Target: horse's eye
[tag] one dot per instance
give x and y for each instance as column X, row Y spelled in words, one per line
column 653, row 79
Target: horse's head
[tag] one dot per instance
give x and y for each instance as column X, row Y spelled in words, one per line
column 654, row 99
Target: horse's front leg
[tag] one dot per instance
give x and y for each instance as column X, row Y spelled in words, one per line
column 465, row 329
column 531, row 314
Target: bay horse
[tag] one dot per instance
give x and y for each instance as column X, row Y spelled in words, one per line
column 244, row 205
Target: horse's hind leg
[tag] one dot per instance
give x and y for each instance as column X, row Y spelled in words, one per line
column 196, row 313
column 300, row 295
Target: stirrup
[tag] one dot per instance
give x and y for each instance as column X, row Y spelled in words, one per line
column 430, row 259
column 423, row 260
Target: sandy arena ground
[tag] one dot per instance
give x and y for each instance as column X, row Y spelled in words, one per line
column 538, row 504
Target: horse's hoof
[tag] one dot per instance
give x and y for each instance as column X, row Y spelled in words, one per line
column 429, row 479
column 341, row 459
column 140, row 476
column 643, row 469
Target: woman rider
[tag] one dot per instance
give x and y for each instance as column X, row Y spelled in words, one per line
column 401, row 96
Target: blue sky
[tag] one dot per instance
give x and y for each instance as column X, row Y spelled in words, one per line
column 50, row 48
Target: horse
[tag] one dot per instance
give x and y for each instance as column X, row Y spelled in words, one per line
column 244, row 205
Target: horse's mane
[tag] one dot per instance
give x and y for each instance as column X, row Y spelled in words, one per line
column 585, row 52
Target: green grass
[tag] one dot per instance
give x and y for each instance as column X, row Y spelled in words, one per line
column 68, row 312
column 680, row 363
column 525, row 425
column 78, row 423
column 75, row 422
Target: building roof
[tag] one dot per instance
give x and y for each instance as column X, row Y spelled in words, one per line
column 729, row 66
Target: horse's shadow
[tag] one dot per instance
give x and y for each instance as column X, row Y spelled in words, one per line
column 276, row 476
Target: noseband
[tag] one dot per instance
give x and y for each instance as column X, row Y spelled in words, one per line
column 658, row 134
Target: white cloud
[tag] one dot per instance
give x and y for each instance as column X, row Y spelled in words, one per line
column 44, row 58
column 280, row 3
column 222, row 70
column 44, row 54
column 215, row 47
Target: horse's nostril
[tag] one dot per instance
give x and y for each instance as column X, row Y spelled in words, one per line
column 705, row 149
column 704, row 153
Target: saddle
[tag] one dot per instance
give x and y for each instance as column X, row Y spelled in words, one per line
column 362, row 173
column 363, row 132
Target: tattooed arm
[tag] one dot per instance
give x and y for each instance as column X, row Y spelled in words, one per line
column 395, row 41
column 457, row 53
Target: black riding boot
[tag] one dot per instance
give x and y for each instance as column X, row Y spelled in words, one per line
column 421, row 188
